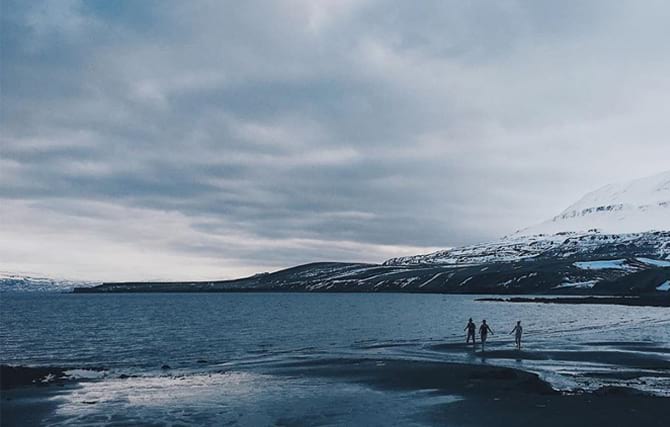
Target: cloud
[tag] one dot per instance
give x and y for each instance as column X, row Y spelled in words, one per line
column 276, row 133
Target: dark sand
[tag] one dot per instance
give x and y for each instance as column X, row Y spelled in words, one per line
column 16, row 376
column 27, row 394
column 29, row 405
column 521, row 410
column 495, row 396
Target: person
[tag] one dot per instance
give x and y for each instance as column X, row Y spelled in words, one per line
column 483, row 333
column 518, row 330
column 471, row 328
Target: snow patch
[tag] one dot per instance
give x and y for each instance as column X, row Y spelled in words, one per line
column 465, row 281
column 612, row 264
column 435, row 276
column 577, row 285
column 655, row 262
column 506, row 283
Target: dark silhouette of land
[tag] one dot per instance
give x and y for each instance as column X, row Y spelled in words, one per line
column 549, row 276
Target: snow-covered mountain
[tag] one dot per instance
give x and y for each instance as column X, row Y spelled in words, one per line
column 12, row 282
column 567, row 244
column 615, row 240
column 633, row 215
column 628, row 207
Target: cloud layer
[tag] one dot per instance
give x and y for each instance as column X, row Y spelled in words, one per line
column 213, row 139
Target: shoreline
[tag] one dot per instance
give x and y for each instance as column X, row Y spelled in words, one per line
column 633, row 301
column 28, row 394
column 168, row 290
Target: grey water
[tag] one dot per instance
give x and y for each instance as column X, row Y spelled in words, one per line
column 220, row 350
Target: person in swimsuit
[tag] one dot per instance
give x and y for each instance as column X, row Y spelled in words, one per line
column 483, row 333
column 471, row 328
column 517, row 331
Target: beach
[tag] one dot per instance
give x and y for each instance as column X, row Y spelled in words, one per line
column 454, row 394
column 337, row 359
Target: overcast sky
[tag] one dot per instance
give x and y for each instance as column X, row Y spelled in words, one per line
column 214, row 139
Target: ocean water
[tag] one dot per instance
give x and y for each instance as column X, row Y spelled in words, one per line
column 224, row 350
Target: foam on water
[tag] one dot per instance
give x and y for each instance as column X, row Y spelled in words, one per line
column 235, row 398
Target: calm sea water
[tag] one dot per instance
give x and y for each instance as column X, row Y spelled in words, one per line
column 221, row 349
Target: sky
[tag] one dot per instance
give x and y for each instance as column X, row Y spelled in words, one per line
column 215, row 139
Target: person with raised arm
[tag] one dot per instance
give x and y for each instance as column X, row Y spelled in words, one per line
column 518, row 330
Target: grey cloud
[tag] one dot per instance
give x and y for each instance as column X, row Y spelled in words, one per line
column 354, row 126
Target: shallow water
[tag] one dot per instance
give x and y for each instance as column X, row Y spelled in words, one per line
column 221, row 349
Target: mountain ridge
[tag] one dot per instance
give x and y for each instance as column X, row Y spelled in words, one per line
column 583, row 258
column 638, row 205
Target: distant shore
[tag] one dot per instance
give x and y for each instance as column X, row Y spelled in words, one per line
column 638, row 300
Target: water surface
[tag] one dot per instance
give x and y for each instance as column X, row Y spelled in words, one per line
column 222, row 350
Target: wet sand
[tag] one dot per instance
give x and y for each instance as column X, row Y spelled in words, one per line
column 484, row 395
column 617, row 354
column 521, row 410
column 27, row 394
column 629, row 360
column 16, row 376
column 29, row 405
column 494, row 396
column 641, row 301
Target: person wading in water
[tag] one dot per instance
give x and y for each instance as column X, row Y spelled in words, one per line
column 518, row 330
column 483, row 333
column 471, row 328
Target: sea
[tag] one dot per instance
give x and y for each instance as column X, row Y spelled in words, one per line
column 219, row 358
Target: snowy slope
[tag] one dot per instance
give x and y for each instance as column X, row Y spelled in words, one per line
column 628, row 207
column 629, row 219
column 514, row 248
